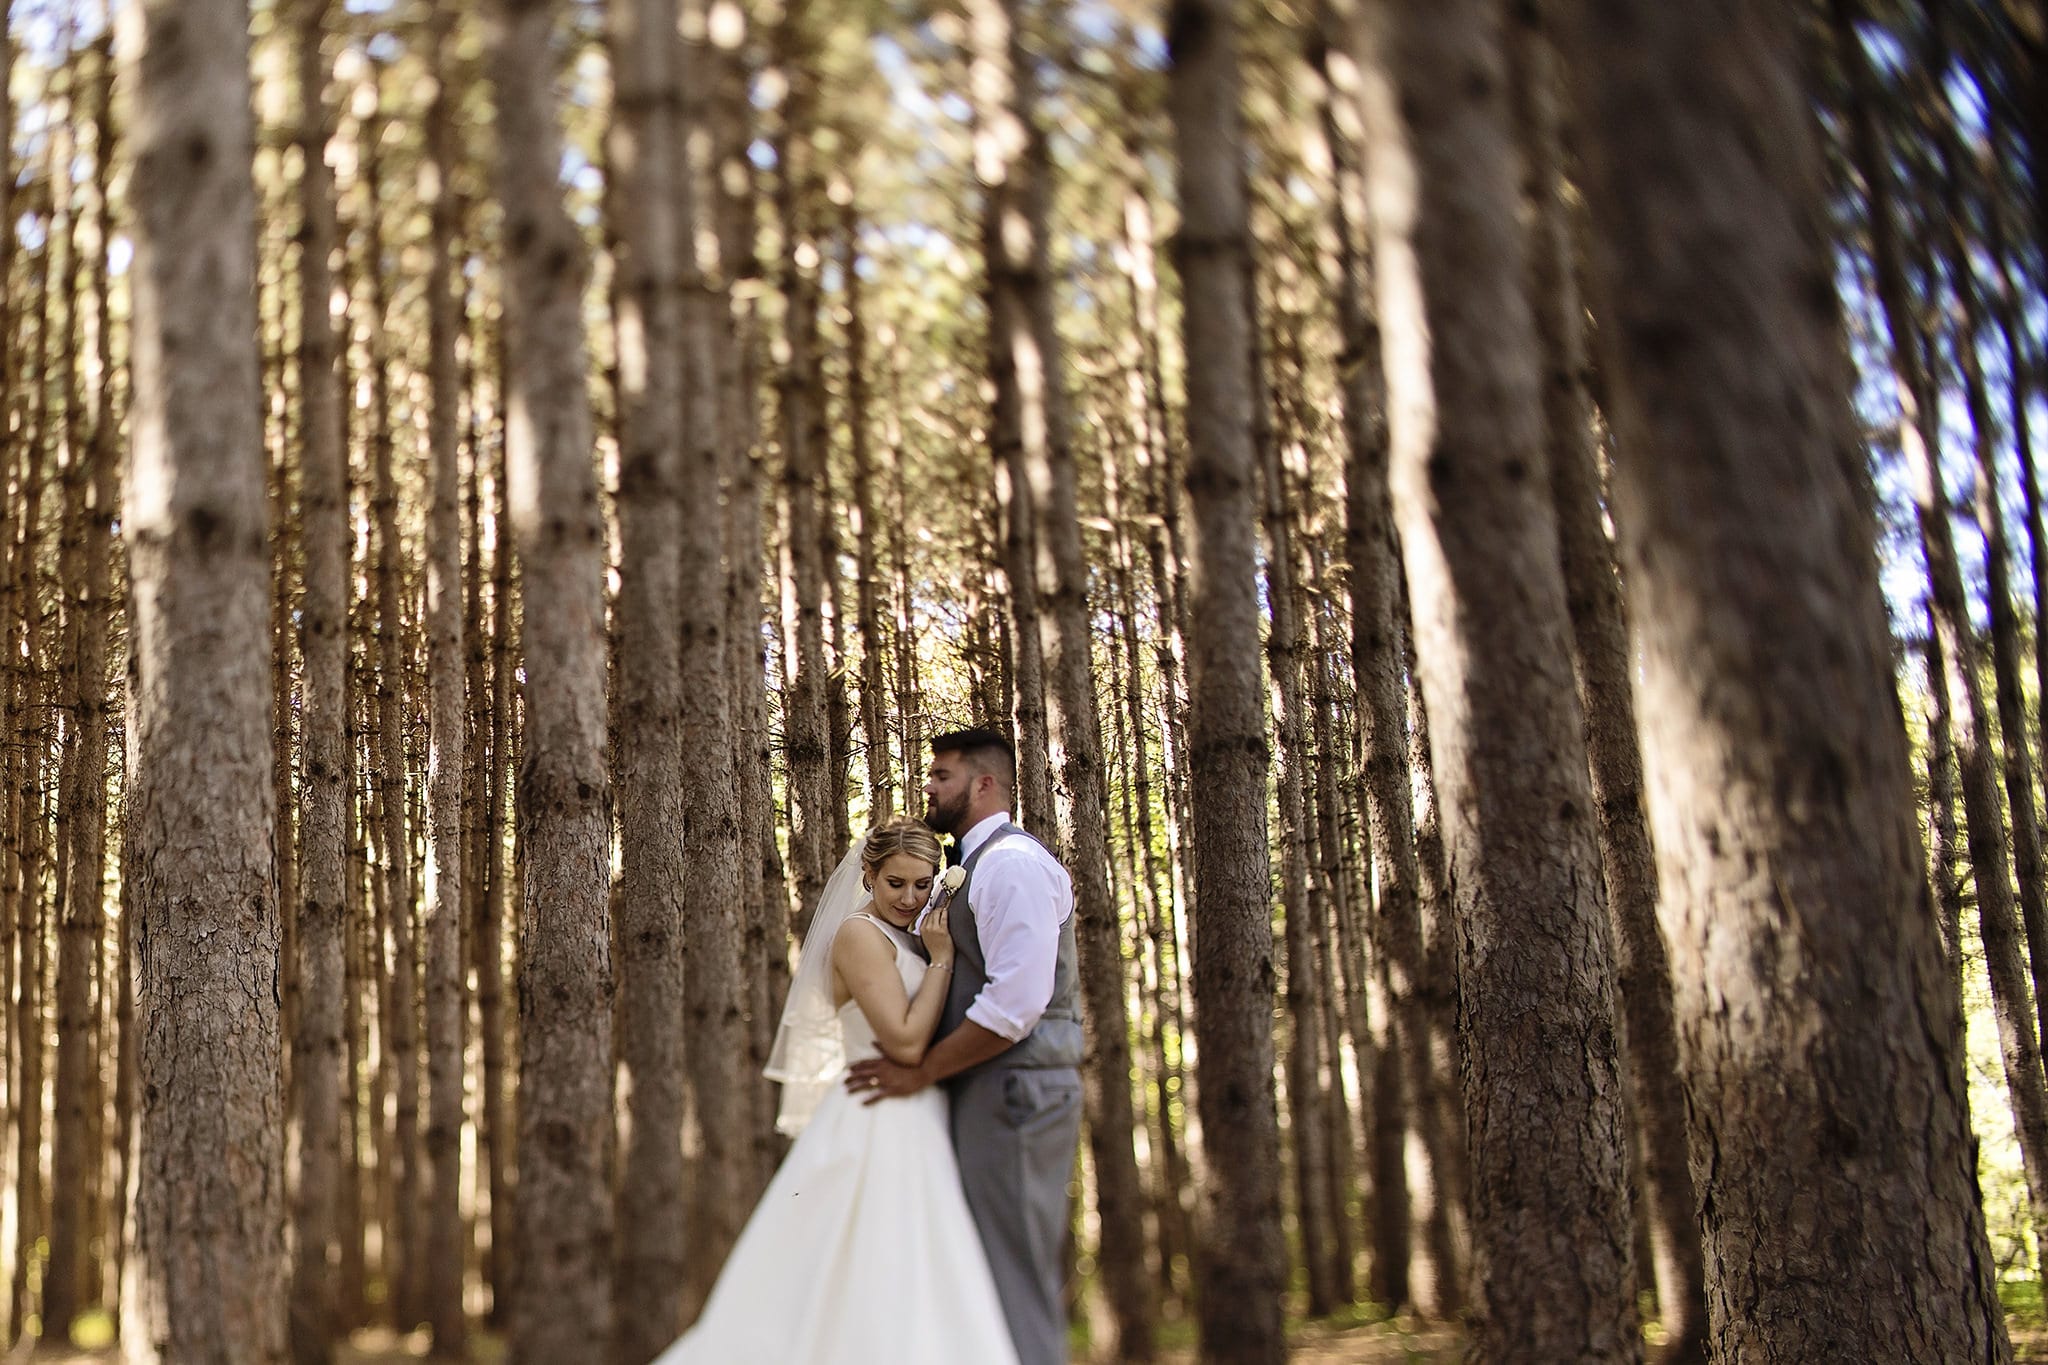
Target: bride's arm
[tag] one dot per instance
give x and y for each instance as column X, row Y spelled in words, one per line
column 865, row 961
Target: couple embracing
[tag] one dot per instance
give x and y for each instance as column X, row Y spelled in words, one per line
column 919, row 1218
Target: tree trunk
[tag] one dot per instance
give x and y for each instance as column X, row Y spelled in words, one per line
column 75, row 1160
column 209, row 1250
column 1430, row 1276
column 1007, row 165
column 1943, row 875
column 1335, row 966
column 1032, row 440
column 495, row 1126
column 476, row 780
column 1781, row 802
column 1307, row 1122
column 358, row 1089
column 874, row 728
column 440, row 1246
column 318, row 1058
column 2005, row 304
column 399, row 1011
column 647, row 304
column 801, row 386
column 2014, row 741
column 33, row 830
column 1536, row 1019
column 1169, row 1167
column 732, row 1109
column 565, row 1091
column 1241, row 1259
column 1601, row 667
column 1959, row 685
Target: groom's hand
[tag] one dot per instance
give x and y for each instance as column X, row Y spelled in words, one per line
column 878, row 1078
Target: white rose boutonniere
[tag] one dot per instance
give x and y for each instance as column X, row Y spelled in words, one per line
column 950, row 879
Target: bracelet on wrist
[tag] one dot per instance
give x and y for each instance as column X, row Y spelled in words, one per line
column 942, row 966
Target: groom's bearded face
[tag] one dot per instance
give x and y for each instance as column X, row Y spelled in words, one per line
column 947, row 795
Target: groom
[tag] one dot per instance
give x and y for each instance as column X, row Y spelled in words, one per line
column 1009, row 1041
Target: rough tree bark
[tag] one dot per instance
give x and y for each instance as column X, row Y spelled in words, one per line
column 1033, row 442
column 564, row 1098
column 1009, row 162
column 398, row 1003
column 1543, row 1098
column 1422, row 1266
column 1306, row 1111
column 1821, row 1059
column 647, row 306
column 317, row 1044
column 1601, row 666
column 207, row 1276
column 874, row 727
column 441, row 1243
column 86, row 574
column 801, row 388
column 1958, row 686
column 732, row 1116
column 1240, row 1258
column 496, row 1128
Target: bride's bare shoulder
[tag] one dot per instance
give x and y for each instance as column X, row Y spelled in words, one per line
column 874, row 941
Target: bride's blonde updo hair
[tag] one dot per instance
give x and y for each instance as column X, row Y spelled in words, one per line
column 903, row 834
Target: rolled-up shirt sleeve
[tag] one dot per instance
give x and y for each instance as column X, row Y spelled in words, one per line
column 1019, row 902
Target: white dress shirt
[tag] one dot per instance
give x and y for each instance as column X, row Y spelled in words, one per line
column 1020, row 897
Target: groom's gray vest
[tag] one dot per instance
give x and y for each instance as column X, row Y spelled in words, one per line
column 1056, row 1040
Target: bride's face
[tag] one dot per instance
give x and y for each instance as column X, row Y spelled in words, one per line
column 903, row 883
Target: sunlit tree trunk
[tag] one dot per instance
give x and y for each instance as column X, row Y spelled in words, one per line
column 732, row 1097
column 723, row 210
column 1943, row 876
column 1169, row 1174
column 874, row 728
column 107, row 1155
column 359, row 1091
column 207, row 1276
column 1601, row 662
column 1960, row 684
column 1241, row 1258
column 89, row 498
column 1335, row 965
column 441, row 1244
column 1307, row 1124
column 647, row 308
column 34, row 739
column 2015, row 743
column 1034, row 444
column 1416, row 1257
column 1780, row 796
column 2004, row 305
column 318, row 1056
column 563, row 1304
column 476, row 779
column 495, row 1124
column 800, row 386
column 1479, row 541
column 398, row 1033
column 1012, row 231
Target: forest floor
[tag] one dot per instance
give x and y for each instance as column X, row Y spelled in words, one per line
column 1313, row 1343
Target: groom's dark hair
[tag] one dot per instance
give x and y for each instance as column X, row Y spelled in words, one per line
column 985, row 749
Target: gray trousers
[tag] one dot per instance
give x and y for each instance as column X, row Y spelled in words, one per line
column 1015, row 1133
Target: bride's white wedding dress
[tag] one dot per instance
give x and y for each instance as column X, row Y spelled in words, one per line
column 862, row 1250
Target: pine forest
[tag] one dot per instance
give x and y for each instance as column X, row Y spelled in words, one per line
column 1505, row 537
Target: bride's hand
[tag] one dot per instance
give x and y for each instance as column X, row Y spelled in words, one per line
column 938, row 939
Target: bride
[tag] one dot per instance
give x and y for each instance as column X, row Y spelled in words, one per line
column 862, row 1249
